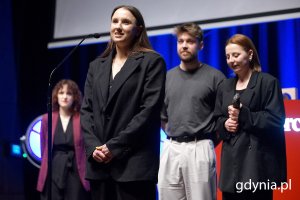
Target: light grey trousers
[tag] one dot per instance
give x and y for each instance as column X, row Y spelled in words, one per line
column 187, row 171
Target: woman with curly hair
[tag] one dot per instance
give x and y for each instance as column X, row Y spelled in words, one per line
column 68, row 157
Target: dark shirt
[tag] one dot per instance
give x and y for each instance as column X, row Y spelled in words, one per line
column 190, row 99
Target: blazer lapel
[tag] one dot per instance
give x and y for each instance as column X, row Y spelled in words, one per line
column 129, row 67
column 76, row 130
column 248, row 94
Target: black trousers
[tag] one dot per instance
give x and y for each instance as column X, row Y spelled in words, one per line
column 72, row 191
column 112, row 190
column 249, row 195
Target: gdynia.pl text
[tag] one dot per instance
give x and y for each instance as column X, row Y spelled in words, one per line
column 254, row 186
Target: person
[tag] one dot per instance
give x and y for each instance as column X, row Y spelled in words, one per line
column 252, row 131
column 68, row 153
column 120, row 114
column 188, row 162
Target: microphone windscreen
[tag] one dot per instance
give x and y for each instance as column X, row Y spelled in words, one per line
column 236, row 101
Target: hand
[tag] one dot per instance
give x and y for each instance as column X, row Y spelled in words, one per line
column 106, row 152
column 231, row 125
column 233, row 113
column 102, row 154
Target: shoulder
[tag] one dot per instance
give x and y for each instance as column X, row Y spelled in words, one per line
column 151, row 54
column 267, row 76
column 150, row 57
column 76, row 115
column 268, row 81
column 97, row 61
column 227, row 83
column 150, row 60
column 263, row 78
column 97, row 64
column 44, row 117
column 214, row 71
column 212, row 74
column 173, row 71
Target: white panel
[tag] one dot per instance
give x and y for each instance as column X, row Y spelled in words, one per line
column 80, row 17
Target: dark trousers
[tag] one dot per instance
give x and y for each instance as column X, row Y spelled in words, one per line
column 249, row 195
column 73, row 190
column 112, row 190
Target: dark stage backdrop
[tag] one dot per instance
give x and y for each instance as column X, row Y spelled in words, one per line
column 10, row 167
column 25, row 64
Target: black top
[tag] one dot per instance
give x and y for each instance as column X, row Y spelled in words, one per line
column 63, row 153
column 63, row 141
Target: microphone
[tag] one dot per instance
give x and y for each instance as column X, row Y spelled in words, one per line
column 49, row 109
column 94, row 35
column 236, row 101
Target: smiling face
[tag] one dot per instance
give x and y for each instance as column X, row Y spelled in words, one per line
column 123, row 27
column 65, row 98
column 237, row 58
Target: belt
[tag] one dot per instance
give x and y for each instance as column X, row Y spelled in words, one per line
column 190, row 138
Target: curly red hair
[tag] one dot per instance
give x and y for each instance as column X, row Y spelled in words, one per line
column 73, row 88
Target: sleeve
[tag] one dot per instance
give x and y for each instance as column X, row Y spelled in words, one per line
column 271, row 116
column 163, row 113
column 43, row 134
column 152, row 99
column 220, row 78
column 220, row 117
column 86, row 116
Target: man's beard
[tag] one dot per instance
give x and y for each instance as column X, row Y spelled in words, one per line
column 188, row 59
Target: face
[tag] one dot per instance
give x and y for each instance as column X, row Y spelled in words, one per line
column 237, row 58
column 65, row 98
column 123, row 27
column 187, row 47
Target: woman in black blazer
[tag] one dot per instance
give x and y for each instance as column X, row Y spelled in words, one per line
column 120, row 115
column 253, row 150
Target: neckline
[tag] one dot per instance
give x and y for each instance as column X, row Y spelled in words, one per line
column 200, row 65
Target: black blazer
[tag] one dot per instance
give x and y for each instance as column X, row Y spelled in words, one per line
column 126, row 118
column 257, row 151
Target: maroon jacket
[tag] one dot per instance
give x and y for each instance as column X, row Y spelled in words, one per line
column 78, row 145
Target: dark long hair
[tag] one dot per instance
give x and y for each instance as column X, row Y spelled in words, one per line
column 141, row 42
column 247, row 44
column 73, row 88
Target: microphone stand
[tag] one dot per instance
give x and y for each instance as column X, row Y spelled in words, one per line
column 49, row 110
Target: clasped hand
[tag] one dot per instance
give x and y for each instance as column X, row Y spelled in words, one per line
column 102, row 154
column 231, row 124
